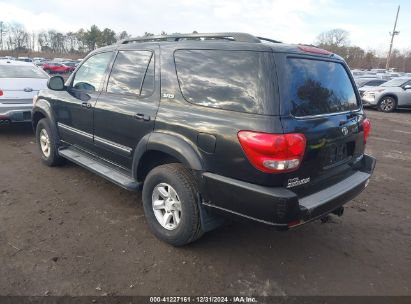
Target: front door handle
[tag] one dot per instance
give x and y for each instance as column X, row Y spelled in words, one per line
column 86, row 105
column 141, row 116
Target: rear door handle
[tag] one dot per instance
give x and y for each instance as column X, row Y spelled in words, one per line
column 141, row 116
column 86, row 105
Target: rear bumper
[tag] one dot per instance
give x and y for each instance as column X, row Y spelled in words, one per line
column 15, row 112
column 279, row 206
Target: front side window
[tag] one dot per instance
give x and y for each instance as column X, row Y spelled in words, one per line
column 396, row 82
column 90, row 75
column 129, row 73
column 241, row 81
column 315, row 87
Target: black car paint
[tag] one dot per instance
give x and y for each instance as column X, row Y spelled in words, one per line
column 186, row 131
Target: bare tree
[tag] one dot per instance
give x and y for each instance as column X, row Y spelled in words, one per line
column 18, row 37
column 334, row 37
column 3, row 33
column 123, row 35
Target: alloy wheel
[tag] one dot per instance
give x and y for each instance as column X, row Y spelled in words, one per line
column 166, row 206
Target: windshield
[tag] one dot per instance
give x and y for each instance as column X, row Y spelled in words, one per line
column 317, row 87
column 362, row 81
column 16, row 71
column 395, row 82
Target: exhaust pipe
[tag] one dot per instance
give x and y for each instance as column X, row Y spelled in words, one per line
column 339, row 211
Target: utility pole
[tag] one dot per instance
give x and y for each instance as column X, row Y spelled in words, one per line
column 393, row 33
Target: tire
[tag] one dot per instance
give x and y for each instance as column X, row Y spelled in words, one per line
column 387, row 104
column 47, row 144
column 183, row 226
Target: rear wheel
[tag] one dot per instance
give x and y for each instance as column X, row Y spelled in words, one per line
column 387, row 104
column 47, row 143
column 171, row 204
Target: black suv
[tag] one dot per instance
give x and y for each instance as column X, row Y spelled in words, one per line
column 210, row 124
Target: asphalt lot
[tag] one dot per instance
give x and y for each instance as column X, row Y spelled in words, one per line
column 65, row 231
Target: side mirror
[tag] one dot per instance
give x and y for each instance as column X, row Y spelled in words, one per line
column 56, row 83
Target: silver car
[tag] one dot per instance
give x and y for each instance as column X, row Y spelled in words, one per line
column 19, row 83
column 390, row 95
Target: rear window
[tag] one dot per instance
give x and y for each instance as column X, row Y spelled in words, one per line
column 240, row 81
column 315, row 87
column 17, row 71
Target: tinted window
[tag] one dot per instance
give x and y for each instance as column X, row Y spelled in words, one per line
column 16, row 71
column 128, row 72
column 233, row 80
column 316, row 87
column 397, row 82
column 91, row 73
column 375, row 82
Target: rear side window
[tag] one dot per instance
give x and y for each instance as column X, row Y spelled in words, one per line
column 128, row 75
column 240, row 81
column 315, row 87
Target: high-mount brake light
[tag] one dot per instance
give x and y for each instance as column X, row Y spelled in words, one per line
column 313, row 49
column 273, row 153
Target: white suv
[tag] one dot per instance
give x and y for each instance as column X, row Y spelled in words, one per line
column 390, row 95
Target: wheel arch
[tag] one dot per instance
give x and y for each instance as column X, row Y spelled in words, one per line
column 42, row 109
column 160, row 148
column 389, row 95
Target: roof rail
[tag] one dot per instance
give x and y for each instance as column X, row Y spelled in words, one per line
column 231, row 36
column 269, row 40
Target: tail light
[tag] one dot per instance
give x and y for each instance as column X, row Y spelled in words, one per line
column 1, row 92
column 366, row 124
column 273, row 153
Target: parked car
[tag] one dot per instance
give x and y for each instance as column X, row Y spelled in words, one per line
column 390, row 95
column 25, row 59
column 8, row 58
column 39, row 63
column 57, row 68
column 72, row 64
column 209, row 124
column 19, row 82
column 357, row 73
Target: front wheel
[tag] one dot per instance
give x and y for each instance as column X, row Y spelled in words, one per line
column 171, row 204
column 387, row 104
column 47, row 143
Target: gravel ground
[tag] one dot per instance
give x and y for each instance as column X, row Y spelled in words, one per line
column 65, row 231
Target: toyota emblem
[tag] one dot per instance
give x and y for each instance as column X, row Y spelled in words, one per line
column 344, row 131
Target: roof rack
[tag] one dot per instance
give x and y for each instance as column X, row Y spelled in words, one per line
column 268, row 40
column 230, row 36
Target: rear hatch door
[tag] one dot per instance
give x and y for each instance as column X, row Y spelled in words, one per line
column 319, row 100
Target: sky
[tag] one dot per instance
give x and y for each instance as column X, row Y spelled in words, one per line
column 368, row 21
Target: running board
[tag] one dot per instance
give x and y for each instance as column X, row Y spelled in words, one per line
column 99, row 167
